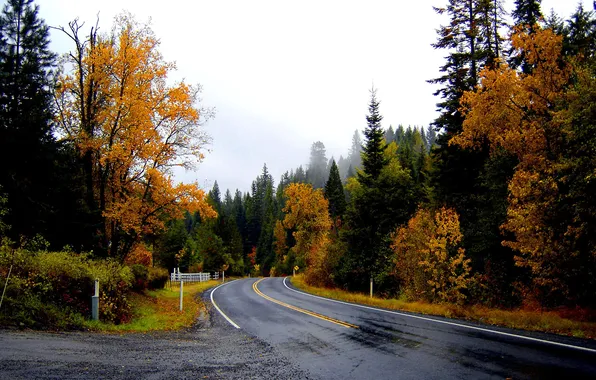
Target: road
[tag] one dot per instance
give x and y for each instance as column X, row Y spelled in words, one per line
column 334, row 340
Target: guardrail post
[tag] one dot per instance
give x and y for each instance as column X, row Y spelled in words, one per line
column 95, row 302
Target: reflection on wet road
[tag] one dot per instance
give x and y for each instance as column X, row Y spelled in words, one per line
column 393, row 345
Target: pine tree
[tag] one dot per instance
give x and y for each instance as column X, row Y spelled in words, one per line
column 215, row 197
column 354, row 155
column 39, row 193
column 458, row 176
column 580, row 34
column 334, row 192
column 373, row 159
column 316, row 173
column 389, row 135
column 526, row 15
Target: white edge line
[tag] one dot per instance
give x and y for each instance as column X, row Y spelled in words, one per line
column 446, row 322
column 217, row 307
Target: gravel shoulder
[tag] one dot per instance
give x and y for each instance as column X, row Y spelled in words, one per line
column 212, row 349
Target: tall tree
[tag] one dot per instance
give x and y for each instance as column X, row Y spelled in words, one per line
column 458, row 175
column 526, row 16
column 317, row 165
column 354, row 155
column 215, row 197
column 27, row 147
column 580, row 34
column 131, row 127
column 373, row 159
column 381, row 197
column 334, row 192
column 541, row 119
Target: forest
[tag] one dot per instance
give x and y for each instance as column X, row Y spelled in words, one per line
column 493, row 203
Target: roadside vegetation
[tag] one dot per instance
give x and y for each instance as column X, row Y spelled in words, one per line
column 159, row 310
column 564, row 321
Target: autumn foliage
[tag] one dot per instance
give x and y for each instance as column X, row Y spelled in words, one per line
column 131, row 127
column 527, row 115
column 429, row 263
column 307, row 214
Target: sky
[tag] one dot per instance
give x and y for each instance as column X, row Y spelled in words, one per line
column 282, row 75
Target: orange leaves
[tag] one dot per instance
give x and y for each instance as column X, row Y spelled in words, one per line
column 428, row 261
column 524, row 114
column 307, row 213
column 513, row 110
column 120, row 111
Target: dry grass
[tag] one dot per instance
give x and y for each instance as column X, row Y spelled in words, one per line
column 159, row 310
column 546, row 321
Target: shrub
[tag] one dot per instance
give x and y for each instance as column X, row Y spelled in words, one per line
column 157, row 277
column 54, row 289
column 141, row 277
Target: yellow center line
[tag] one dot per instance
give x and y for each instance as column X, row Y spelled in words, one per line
column 308, row 312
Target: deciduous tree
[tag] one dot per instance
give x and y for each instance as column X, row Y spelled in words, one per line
column 131, row 128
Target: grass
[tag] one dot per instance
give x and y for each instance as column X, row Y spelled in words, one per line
column 547, row 321
column 159, row 310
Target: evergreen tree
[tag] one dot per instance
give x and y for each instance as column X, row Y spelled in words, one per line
column 228, row 204
column 38, row 175
column 526, row 14
column 381, row 197
column 354, row 156
column 299, row 175
column 580, row 34
column 389, row 135
column 458, row 173
column 317, row 166
column 373, row 159
column 334, row 192
column 215, row 197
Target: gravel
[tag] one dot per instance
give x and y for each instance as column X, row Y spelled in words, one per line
column 211, row 349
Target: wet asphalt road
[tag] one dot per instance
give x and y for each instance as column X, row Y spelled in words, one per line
column 393, row 345
column 208, row 350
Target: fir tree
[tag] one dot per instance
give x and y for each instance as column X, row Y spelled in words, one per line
column 373, row 159
column 37, row 174
column 354, row 156
column 317, row 173
column 526, row 15
column 334, row 192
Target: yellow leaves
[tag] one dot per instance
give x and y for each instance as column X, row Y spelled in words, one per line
column 307, row 213
column 117, row 105
column 513, row 110
column 521, row 113
column 428, row 262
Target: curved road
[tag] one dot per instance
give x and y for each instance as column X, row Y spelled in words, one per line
column 336, row 340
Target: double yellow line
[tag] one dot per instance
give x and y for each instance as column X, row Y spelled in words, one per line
column 304, row 311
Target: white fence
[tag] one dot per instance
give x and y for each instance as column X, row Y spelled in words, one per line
column 193, row 277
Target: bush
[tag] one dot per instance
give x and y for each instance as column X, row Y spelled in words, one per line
column 54, row 289
column 157, row 277
column 141, row 275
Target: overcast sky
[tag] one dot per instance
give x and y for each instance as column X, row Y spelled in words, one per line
column 283, row 74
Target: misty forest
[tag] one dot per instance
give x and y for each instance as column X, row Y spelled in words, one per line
column 492, row 204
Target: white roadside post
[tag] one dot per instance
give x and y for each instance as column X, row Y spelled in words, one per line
column 371, row 286
column 95, row 302
column 181, row 292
